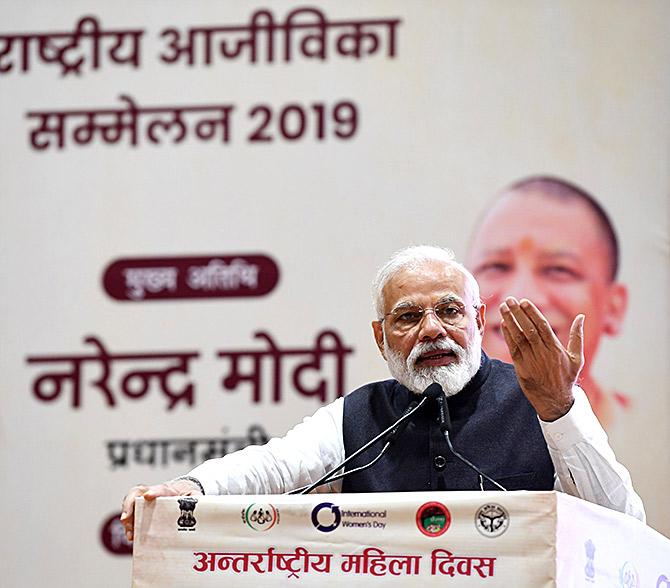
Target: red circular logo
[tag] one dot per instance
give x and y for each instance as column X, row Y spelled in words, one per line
column 433, row 519
column 113, row 536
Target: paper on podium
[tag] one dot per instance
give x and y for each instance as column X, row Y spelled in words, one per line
column 532, row 539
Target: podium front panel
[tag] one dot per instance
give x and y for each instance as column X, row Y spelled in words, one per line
column 426, row 538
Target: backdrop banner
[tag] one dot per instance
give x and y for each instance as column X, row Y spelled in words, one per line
column 195, row 199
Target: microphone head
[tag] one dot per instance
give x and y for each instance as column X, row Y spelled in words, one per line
column 433, row 391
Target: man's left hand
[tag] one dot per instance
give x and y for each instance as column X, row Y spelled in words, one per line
column 546, row 370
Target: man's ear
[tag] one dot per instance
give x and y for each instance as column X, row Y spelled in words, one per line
column 481, row 318
column 615, row 308
column 378, row 330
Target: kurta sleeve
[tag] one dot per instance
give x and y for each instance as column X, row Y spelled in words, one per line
column 299, row 458
column 585, row 464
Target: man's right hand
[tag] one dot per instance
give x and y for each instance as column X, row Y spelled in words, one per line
column 171, row 488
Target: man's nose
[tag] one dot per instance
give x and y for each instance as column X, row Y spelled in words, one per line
column 431, row 327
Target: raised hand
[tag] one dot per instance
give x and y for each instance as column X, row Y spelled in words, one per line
column 546, row 370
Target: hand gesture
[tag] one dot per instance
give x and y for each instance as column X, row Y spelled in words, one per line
column 546, row 370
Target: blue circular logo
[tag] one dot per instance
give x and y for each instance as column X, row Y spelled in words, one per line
column 337, row 517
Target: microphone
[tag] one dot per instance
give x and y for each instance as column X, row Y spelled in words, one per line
column 444, row 419
column 433, row 391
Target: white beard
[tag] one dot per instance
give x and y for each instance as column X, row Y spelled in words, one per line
column 453, row 377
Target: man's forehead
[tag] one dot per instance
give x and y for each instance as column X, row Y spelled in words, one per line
column 537, row 203
column 431, row 279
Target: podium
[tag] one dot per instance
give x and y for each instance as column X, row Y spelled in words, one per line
column 532, row 539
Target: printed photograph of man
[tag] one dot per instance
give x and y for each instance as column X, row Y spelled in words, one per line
column 548, row 240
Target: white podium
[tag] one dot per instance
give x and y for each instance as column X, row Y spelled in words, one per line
column 531, row 539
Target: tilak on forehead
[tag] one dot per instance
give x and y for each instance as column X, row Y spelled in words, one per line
column 527, row 244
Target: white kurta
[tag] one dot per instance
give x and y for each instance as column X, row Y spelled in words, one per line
column 585, row 464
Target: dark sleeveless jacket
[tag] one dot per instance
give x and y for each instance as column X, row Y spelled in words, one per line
column 493, row 426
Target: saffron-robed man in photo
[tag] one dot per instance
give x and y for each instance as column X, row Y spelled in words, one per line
column 528, row 425
column 549, row 240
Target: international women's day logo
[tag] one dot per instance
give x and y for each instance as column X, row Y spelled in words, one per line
column 326, row 517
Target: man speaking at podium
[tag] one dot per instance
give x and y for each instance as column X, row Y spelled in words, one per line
column 521, row 427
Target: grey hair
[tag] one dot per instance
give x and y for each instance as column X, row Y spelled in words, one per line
column 412, row 257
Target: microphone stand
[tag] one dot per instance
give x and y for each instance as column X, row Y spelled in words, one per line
column 327, row 476
column 444, row 418
column 355, row 470
column 472, row 466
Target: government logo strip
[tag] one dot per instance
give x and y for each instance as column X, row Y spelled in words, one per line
column 433, row 519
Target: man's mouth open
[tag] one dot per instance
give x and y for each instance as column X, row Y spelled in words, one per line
column 437, row 358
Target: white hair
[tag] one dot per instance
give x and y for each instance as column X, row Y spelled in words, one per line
column 412, row 257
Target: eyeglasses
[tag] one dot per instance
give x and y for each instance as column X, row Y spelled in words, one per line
column 405, row 318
